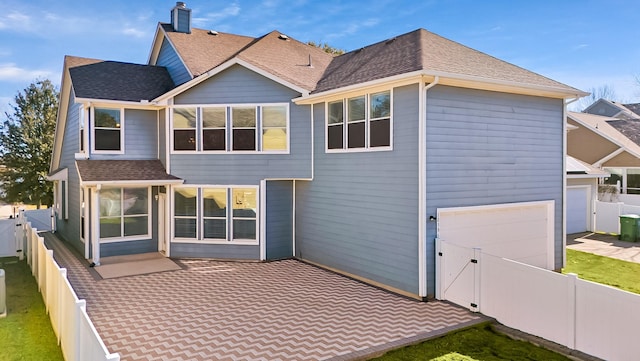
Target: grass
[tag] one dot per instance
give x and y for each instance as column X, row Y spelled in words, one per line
column 609, row 271
column 476, row 343
column 26, row 333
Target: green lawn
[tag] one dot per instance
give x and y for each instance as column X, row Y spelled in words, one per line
column 478, row 343
column 26, row 333
column 605, row 270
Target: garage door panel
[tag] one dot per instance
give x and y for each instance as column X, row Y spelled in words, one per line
column 519, row 231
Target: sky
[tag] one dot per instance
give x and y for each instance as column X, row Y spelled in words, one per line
column 583, row 43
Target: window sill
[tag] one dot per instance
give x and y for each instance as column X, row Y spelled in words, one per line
column 359, row 150
column 221, row 242
column 125, row 239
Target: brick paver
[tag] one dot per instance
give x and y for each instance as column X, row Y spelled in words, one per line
column 284, row 310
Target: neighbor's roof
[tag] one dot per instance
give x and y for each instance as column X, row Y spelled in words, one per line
column 609, row 127
column 633, row 108
column 111, row 80
column 423, row 50
column 115, row 171
column 278, row 55
column 578, row 167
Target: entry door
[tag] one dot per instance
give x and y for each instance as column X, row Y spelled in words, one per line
column 578, row 209
column 162, row 245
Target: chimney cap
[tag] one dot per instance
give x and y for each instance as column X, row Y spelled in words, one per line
column 181, row 4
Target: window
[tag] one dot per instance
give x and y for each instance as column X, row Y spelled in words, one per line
column 214, row 122
column 81, row 127
column 124, row 213
column 368, row 123
column 184, row 129
column 244, row 128
column 186, row 212
column 203, row 214
column 82, row 205
column 107, row 129
column 238, row 128
column 628, row 179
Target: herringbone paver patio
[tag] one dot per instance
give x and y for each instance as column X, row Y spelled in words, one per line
column 285, row 310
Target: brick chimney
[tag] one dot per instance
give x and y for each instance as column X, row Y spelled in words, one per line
column 181, row 18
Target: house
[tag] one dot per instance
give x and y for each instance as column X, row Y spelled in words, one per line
column 232, row 147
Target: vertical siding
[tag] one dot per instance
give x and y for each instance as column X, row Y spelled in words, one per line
column 359, row 214
column 140, row 136
column 168, row 58
column 69, row 229
column 489, row 148
column 239, row 85
column 279, row 222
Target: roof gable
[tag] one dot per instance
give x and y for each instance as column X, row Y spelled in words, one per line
column 111, row 80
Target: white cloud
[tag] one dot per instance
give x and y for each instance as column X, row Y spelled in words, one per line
column 353, row 28
column 135, row 32
column 579, row 46
column 12, row 72
column 16, row 21
column 5, row 106
column 231, row 10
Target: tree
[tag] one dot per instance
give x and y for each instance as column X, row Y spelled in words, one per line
column 327, row 48
column 26, row 142
column 602, row 92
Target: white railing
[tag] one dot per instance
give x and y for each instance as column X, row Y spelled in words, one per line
column 592, row 318
column 76, row 334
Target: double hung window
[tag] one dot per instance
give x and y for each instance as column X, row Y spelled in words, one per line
column 368, row 123
column 107, row 127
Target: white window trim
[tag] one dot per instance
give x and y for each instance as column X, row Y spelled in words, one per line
column 229, row 129
column 93, row 132
column 81, row 130
column 345, row 124
column 623, row 184
column 129, row 238
column 202, row 217
column 229, row 216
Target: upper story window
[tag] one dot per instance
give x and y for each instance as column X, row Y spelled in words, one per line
column 108, row 130
column 234, row 128
column 81, row 128
column 368, row 123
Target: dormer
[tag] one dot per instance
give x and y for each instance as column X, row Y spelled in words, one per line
column 181, row 18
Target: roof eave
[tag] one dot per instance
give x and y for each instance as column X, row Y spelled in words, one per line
column 156, row 182
column 128, row 103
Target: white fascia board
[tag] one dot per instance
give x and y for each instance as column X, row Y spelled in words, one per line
column 582, row 176
column 131, row 183
column 143, row 104
column 61, row 175
column 217, row 70
column 155, row 45
column 605, row 136
column 61, row 119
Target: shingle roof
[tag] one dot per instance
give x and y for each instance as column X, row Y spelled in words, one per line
column 635, row 108
column 285, row 58
column 122, row 170
column 111, row 80
column 423, row 50
column 629, row 127
column 623, row 132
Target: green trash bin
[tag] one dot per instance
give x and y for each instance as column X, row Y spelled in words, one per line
column 629, row 227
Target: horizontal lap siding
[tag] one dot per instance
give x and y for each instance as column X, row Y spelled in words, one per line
column 279, row 222
column 168, row 58
column 359, row 214
column 235, row 86
column 218, row 251
column 489, row 148
column 140, row 136
column 69, row 229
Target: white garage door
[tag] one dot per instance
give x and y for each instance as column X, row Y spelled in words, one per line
column 577, row 209
column 523, row 232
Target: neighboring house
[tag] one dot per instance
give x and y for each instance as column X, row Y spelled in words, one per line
column 613, row 109
column 582, row 191
column 607, row 143
column 232, row 147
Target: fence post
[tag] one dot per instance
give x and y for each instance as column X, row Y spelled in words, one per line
column 477, row 253
column 571, row 310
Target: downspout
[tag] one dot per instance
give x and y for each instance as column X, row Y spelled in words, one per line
column 564, row 179
column 422, row 184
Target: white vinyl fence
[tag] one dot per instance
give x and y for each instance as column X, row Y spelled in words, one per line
column 593, row 318
column 78, row 337
column 607, row 215
column 8, row 244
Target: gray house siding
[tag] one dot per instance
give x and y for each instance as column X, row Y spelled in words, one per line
column 69, row 229
column 279, row 220
column 239, row 85
column 140, row 136
column 360, row 212
column 489, row 148
column 168, row 58
column 162, row 137
column 216, row 251
column 603, row 108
